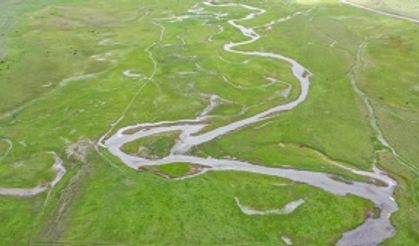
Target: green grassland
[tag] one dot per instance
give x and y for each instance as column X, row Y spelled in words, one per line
column 408, row 8
column 151, row 147
column 44, row 43
column 141, row 208
column 175, row 170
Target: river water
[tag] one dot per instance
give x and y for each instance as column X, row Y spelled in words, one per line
column 371, row 232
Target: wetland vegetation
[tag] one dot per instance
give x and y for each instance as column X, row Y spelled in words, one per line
column 194, row 122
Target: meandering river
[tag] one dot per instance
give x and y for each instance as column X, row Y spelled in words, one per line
column 371, row 232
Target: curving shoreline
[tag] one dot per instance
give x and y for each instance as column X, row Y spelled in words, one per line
column 371, row 232
column 60, row 171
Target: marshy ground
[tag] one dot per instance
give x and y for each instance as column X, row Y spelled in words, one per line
column 74, row 73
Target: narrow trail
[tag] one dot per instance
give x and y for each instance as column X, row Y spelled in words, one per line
column 397, row 16
column 372, row 232
column 149, row 78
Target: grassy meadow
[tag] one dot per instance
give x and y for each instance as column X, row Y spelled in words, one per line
column 63, row 78
column 407, row 8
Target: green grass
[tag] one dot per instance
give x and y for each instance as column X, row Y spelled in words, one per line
column 48, row 41
column 30, row 172
column 129, row 207
column 4, row 148
column 157, row 146
column 18, row 216
column 403, row 7
column 175, row 169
